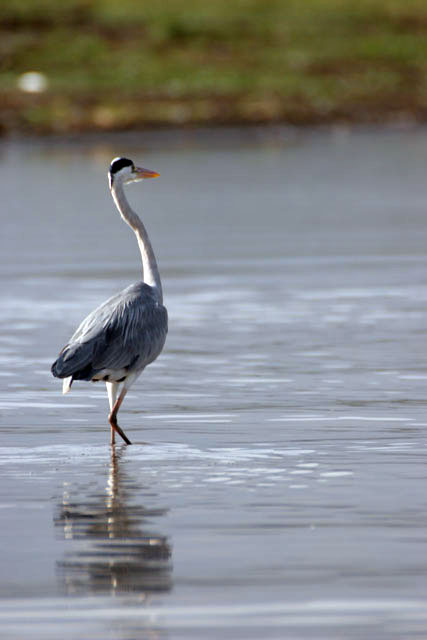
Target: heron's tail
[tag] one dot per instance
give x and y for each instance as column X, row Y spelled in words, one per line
column 66, row 384
column 74, row 363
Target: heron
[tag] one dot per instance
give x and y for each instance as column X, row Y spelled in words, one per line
column 127, row 332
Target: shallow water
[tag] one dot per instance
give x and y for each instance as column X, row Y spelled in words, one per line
column 276, row 486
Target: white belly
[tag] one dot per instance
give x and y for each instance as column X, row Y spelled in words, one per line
column 111, row 375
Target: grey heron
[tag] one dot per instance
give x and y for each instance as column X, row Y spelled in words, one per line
column 127, row 332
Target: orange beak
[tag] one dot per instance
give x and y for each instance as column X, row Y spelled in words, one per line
column 146, row 173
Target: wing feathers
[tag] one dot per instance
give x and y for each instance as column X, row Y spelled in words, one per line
column 127, row 330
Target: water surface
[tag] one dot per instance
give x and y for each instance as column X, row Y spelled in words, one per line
column 277, row 481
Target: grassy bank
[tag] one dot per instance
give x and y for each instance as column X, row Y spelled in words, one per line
column 117, row 65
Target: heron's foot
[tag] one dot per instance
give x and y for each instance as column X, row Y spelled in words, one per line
column 116, row 429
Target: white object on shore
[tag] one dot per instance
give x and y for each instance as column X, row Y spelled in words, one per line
column 32, row 82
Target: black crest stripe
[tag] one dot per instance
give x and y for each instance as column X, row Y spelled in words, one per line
column 120, row 163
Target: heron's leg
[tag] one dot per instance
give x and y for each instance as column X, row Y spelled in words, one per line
column 113, row 418
column 112, row 388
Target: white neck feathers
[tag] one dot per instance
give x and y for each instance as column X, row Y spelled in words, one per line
column 150, row 271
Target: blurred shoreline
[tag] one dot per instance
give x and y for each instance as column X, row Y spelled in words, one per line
column 216, row 114
column 83, row 66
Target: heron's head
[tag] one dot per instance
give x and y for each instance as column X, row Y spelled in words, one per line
column 124, row 170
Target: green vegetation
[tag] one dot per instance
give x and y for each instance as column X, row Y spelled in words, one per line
column 114, row 64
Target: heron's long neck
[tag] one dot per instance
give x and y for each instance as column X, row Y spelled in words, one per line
column 150, row 270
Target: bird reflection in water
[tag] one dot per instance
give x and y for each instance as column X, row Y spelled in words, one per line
column 109, row 552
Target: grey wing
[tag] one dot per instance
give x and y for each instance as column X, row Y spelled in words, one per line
column 127, row 332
